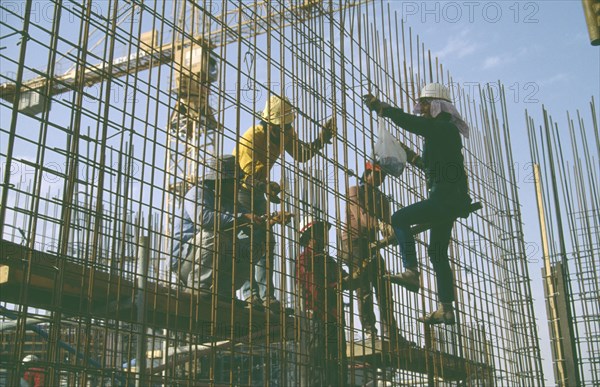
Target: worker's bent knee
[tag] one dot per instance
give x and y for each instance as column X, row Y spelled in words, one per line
column 399, row 220
column 437, row 259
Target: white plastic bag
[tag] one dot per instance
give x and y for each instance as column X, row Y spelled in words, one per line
column 388, row 151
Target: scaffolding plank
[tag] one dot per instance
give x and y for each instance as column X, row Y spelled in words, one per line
column 415, row 359
column 85, row 291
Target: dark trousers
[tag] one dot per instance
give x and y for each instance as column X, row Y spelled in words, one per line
column 326, row 353
column 441, row 214
column 262, row 285
column 368, row 267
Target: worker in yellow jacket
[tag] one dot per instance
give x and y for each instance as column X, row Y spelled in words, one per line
column 256, row 152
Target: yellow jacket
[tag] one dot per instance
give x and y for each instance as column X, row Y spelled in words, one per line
column 256, row 153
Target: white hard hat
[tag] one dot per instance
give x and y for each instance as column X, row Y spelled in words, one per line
column 436, row 91
column 278, row 111
column 309, row 222
column 29, row 358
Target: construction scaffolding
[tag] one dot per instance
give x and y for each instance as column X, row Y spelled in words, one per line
column 566, row 178
column 110, row 111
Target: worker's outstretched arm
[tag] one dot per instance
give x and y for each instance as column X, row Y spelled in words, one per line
column 415, row 124
column 303, row 151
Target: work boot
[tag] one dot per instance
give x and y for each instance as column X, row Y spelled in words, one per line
column 402, row 342
column 444, row 315
column 272, row 303
column 397, row 340
column 410, row 280
column 370, row 336
column 198, row 295
column 255, row 301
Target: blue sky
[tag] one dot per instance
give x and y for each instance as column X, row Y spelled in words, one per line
column 544, row 44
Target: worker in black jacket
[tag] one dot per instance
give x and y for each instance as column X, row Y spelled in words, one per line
column 441, row 126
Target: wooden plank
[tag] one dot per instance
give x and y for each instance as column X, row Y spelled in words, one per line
column 415, row 359
column 87, row 292
column 3, row 274
column 99, row 294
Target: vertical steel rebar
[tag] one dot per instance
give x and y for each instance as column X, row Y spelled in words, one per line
column 116, row 299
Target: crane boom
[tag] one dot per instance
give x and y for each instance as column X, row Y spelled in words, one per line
column 253, row 22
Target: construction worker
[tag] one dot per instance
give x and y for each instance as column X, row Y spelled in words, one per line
column 441, row 126
column 319, row 278
column 204, row 237
column 366, row 208
column 34, row 376
column 256, row 152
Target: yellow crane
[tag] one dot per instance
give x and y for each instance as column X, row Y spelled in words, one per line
column 252, row 22
column 196, row 67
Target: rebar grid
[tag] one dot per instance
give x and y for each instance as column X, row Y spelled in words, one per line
column 567, row 184
column 94, row 176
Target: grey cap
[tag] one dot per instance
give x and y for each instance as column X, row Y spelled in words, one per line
column 221, row 168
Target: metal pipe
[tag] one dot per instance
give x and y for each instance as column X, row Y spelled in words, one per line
column 143, row 257
column 32, row 326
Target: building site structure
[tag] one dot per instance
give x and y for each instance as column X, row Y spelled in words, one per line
column 110, row 111
column 565, row 161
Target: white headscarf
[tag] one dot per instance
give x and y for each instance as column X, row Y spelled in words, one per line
column 438, row 106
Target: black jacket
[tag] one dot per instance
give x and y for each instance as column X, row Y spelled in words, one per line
column 442, row 156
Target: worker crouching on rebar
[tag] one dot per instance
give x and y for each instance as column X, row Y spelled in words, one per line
column 257, row 151
column 319, row 278
column 366, row 208
column 207, row 232
column 441, row 126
